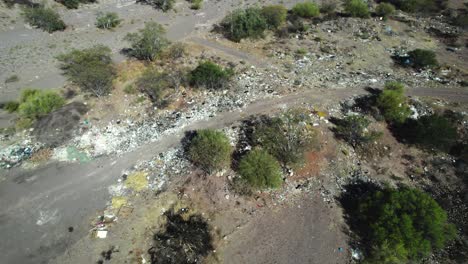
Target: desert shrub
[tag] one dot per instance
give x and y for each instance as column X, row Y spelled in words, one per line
column 275, row 15
column 244, row 23
column 149, row 42
column 154, row 83
column 91, row 69
column 130, row 89
column 260, row 169
column 420, row 58
column 73, row 4
column 328, row 7
column 44, row 18
column 11, row 106
column 286, row 137
column 164, row 5
column 354, row 130
column 195, row 4
column 392, row 103
column 107, row 20
column 210, row 75
column 357, row 8
column 176, row 51
column 461, row 20
column 12, row 78
column 37, row 103
column 385, row 10
column 419, row 5
column 210, row 150
column 402, row 225
column 306, row 10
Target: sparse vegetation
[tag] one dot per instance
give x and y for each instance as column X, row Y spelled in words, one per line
column 91, row 69
column 196, row 4
column 44, row 18
column 164, row 5
column 210, row 150
column 176, row 51
column 11, row 106
column 275, row 15
column 306, row 10
column 12, row 78
column 419, row 5
column 420, row 58
column 357, row 8
column 154, row 83
column 328, row 7
column 37, row 103
column 402, row 226
column 107, row 20
column 149, row 42
column 392, row 103
column 210, row 75
column 385, row 10
column 244, row 23
column 260, row 169
column 354, row 130
column 73, row 4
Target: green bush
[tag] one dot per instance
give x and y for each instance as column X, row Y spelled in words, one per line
column 44, row 18
column 392, row 103
column 306, row 10
column 73, row 4
column 357, row 8
column 426, row 6
column 260, row 169
column 107, row 20
column 247, row 23
column 149, row 42
column 328, row 7
column 210, row 150
column 286, row 137
column 385, row 10
column 130, row 89
column 196, row 4
column 275, row 15
column 12, row 78
column 353, row 129
column 91, row 69
column 176, row 51
column 37, row 103
column 435, row 131
column 403, row 225
column 210, row 75
column 420, row 58
column 153, row 83
column 11, row 106
column 164, row 5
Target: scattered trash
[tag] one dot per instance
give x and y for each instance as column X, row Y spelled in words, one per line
column 101, row 234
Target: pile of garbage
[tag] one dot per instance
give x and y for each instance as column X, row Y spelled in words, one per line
column 14, row 155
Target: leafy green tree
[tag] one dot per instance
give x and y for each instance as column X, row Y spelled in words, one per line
column 306, row 10
column 210, row 150
column 244, row 23
column 210, row 75
column 286, row 137
column 404, row 224
column 91, row 69
column 260, row 169
column 37, row 103
column 44, row 18
column 357, row 8
column 164, row 5
column 149, row 42
column 392, row 103
column 421, row 58
column 275, row 15
column 385, row 10
column 435, row 131
column 107, row 20
column 353, row 129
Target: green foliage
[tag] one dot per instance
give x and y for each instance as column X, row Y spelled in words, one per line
column 405, row 224
column 12, row 78
column 164, row 5
column 426, row 6
column 260, row 169
column 153, row 83
column 210, row 150
column 176, row 51
column 435, row 131
column 73, row 4
column 149, row 42
column 392, row 103
column 130, row 89
column 11, row 106
column 385, row 10
column 286, row 137
column 37, row 103
column 306, row 10
column 107, row 20
column 275, row 15
column 44, row 18
column 357, row 8
column 353, row 129
column 91, row 69
column 328, row 7
column 196, row 4
column 244, row 23
column 210, row 75
column 421, row 58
